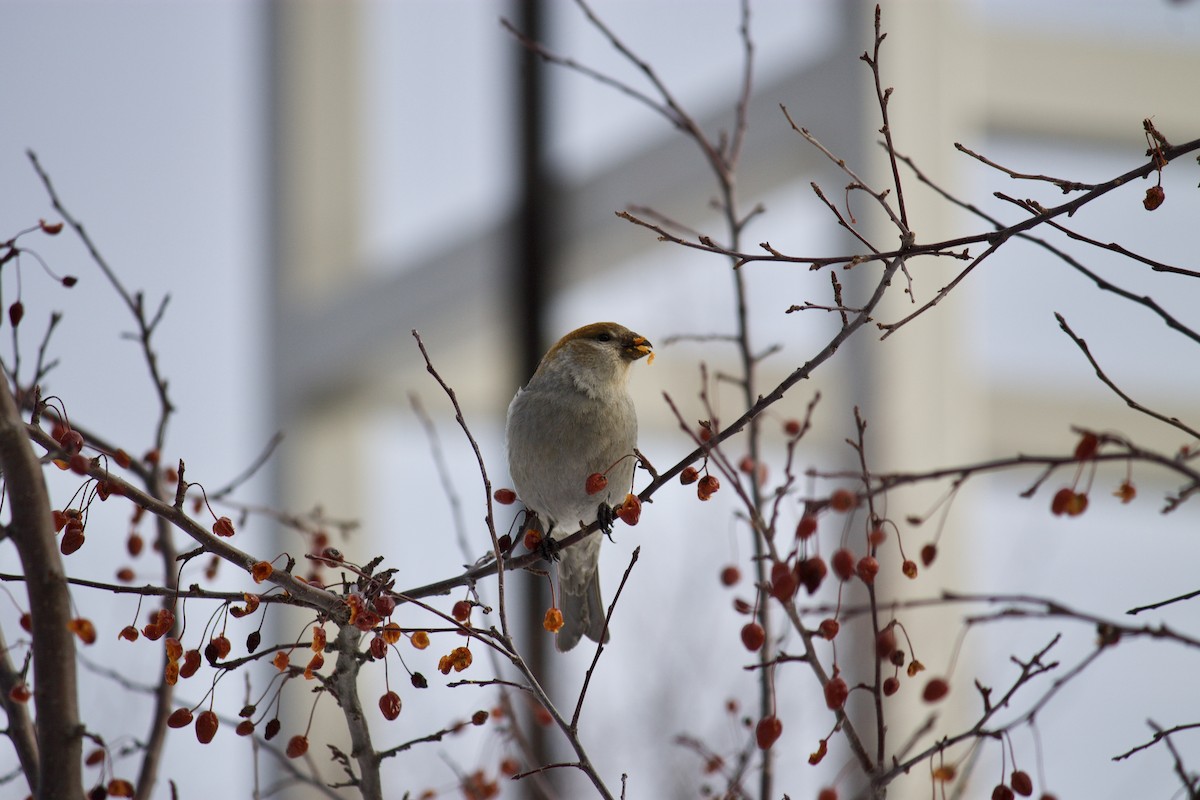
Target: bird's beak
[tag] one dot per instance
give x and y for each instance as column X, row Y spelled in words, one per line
column 638, row 347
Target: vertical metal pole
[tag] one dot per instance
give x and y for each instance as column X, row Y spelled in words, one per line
column 531, row 254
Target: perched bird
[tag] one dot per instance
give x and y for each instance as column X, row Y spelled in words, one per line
column 575, row 418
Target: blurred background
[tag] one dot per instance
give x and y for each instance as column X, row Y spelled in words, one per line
column 310, row 181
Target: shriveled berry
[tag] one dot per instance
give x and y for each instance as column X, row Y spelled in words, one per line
column 708, row 486
column 1154, row 198
column 909, row 568
column 689, row 476
column 811, row 571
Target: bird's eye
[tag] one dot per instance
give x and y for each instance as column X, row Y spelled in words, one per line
column 604, row 337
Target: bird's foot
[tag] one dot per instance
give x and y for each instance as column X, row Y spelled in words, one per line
column 605, row 514
column 547, row 548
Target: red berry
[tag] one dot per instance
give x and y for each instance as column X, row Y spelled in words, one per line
column 792, row 427
column 828, row 628
column 767, row 732
column 1058, row 506
column 806, row 527
column 935, row 690
column 244, row 728
column 891, row 685
column 1002, row 792
column 909, row 568
column 1021, row 783
column 389, row 704
column 867, row 569
column 707, row 487
column 689, row 475
column 753, row 636
column 836, row 692
column 928, row 554
column 505, row 497
column 206, row 726
column 842, row 562
column 297, row 746
column 730, row 575
column 783, row 582
column 885, row 642
column 180, row 718
column 842, row 500
column 461, row 610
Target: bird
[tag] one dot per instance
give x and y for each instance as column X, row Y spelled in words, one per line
column 575, row 418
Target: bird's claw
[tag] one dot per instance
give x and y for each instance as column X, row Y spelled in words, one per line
column 547, row 548
column 605, row 515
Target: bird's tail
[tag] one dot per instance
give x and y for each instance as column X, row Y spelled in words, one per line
column 583, row 613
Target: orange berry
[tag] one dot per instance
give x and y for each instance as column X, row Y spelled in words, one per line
column 689, row 475
column 553, row 620
column 595, row 483
column 630, row 511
